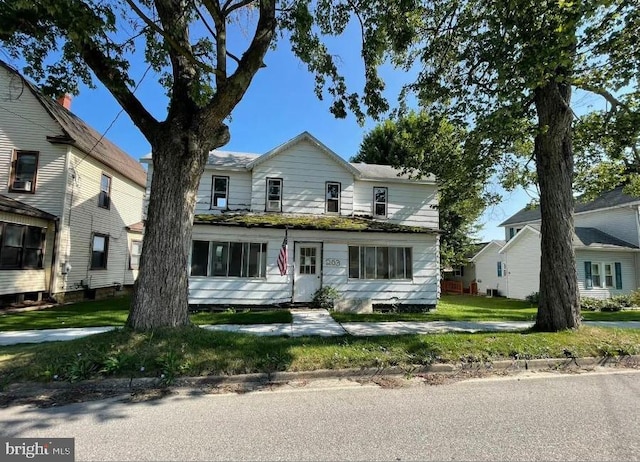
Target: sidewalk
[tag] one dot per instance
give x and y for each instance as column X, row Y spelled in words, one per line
column 311, row 322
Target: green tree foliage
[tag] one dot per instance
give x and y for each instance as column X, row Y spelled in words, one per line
column 422, row 145
column 206, row 53
column 508, row 68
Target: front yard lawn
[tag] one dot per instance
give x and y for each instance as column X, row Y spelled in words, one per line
column 114, row 311
column 192, row 352
column 479, row 308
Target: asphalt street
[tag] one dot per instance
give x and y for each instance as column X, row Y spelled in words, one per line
column 592, row 416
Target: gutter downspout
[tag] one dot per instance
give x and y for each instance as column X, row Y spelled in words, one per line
column 59, row 227
column 54, row 255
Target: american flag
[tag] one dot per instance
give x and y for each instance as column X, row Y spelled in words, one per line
column 282, row 256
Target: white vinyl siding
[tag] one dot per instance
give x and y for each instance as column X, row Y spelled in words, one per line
column 305, row 169
column 26, row 128
column 619, row 222
column 521, row 270
column 602, row 258
column 486, row 270
column 239, row 191
column 87, row 218
column 407, row 204
column 15, row 281
column 421, row 289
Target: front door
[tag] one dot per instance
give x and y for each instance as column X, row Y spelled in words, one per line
column 307, row 270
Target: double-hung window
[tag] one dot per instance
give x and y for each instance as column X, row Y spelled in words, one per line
column 229, row 259
column 24, row 172
column 332, row 198
column 220, row 192
column 274, row 195
column 134, row 257
column 605, row 275
column 21, row 246
column 380, row 202
column 99, row 251
column 104, row 198
column 380, row 262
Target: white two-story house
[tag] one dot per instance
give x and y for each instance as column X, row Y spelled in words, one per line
column 70, row 200
column 606, row 241
column 365, row 230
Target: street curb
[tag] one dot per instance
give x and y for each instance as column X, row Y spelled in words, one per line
column 113, row 386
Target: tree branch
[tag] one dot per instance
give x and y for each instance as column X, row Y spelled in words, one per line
column 228, row 8
column 608, row 96
column 115, row 82
column 170, row 40
column 213, row 34
column 228, row 95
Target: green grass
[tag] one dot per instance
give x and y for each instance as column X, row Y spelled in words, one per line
column 478, row 308
column 193, row 351
column 113, row 312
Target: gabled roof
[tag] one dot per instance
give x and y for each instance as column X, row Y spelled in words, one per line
column 485, row 246
column 304, row 136
column 10, row 205
column 583, row 238
column 228, row 160
column 614, row 198
column 374, row 172
column 77, row 133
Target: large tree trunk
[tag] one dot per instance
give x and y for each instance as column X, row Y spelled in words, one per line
column 160, row 294
column 559, row 303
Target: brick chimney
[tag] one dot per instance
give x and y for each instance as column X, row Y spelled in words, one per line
column 65, row 101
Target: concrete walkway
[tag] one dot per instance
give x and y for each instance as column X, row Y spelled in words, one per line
column 311, row 322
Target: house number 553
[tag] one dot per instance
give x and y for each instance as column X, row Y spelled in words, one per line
column 332, row 262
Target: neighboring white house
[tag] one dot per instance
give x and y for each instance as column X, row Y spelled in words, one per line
column 71, row 204
column 366, row 230
column 606, row 242
column 488, row 268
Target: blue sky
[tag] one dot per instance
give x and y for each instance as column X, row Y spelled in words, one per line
column 279, row 105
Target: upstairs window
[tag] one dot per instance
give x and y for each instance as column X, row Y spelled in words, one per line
column 274, row 195
column 99, row 251
column 500, row 269
column 220, row 192
column 134, row 257
column 104, row 199
column 380, row 202
column 333, row 198
column 25, row 169
column 22, row 247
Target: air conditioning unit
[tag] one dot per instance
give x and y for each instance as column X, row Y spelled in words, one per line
column 273, row 205
column 21, row 186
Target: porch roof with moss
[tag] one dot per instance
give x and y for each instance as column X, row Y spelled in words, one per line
column 309, row 222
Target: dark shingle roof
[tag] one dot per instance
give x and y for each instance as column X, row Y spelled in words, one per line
column 85, row 138
column 612, row 198
column 595, row 239
column 20, row 208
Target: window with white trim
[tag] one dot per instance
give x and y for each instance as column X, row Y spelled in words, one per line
column 458, row 271
column 605, row 275
column 332, row 198
column 134, row 257
column 229, row 259
column 380, row 201
column 219, row 192
column 274, row 195
column 380, row 262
